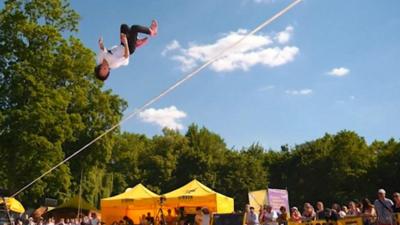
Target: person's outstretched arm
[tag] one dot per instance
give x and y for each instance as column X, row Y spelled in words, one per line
column 101, row 44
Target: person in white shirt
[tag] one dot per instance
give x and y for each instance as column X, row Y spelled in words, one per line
column 118, row 55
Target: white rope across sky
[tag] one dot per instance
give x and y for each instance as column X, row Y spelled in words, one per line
column 165, row 92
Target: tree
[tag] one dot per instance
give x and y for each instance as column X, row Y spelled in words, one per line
column 387, row 164
column 50, row 103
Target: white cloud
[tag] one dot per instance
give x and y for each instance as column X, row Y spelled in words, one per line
column 254, row 50
column 166, row 117
column 339, row 72
column 170, row 47
column 299, row 92
column 283, row 37
column 266, row 88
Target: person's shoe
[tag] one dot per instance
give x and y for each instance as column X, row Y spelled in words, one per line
column 141, row 42
column 153, row 28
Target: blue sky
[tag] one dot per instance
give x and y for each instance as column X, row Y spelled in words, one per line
column 265, row 94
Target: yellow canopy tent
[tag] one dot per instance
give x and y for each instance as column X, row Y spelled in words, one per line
column 195, row 194
column 134, row 203
column 13, row 205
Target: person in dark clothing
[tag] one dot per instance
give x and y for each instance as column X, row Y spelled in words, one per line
column 396, row 202
column 118, row 55
column 128, row 221
column 150, row 219
column 331, row 215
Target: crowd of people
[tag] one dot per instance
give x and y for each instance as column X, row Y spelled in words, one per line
column 86, row 220
column 202, row 216
column 380, row 212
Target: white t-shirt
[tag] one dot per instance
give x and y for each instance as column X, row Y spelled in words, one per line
column 206, row 219
column 114, row 56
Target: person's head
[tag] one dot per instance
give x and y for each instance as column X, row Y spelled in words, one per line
column 85, row 219
column 345, row 209
column 381, row 194
column 268, row 208
column 102, row 71
column 125, row 218
column 308, row 208
column 198, row 209
column 367, row 204
column 252, row 209
column 396, row 197
column 205, row 211
column 282, row 209
column 148, row 214
column 352, row 205
column 320, row 206
column 169, row 212
column 294, row 211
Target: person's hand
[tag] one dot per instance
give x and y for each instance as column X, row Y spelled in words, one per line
column 101, row 43
column 124, row 39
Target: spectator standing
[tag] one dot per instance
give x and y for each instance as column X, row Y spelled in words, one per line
column 396, row 205
column 283, row 216
column 320, row 211
column 308, row 213
column 150, row 219
column 169, row 219
column 128, row 221
column 331, row 215
column 62, row 222
column 353, row 210
column 246, row 212
column 143, row 220
column 50, row 221
column 252, row 218
column 384, row 209
column 85, row 221
column 198, row 219
column 206, row 216
column 269, row 217
column 93, row 219
column 368, row 212
column 30, row 221
column 295, row 215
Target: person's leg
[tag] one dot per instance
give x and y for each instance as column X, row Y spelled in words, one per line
column 140, row 29
column 124, row 29
column 133, row 36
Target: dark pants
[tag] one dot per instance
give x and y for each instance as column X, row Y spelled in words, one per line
column 132, row 34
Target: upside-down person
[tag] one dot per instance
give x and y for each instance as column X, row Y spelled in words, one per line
column 118, row 55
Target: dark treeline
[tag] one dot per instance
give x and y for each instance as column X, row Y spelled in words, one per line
column 334, row 168
column 51, row 105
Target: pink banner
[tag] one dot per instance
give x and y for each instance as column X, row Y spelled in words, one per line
column 278, row 198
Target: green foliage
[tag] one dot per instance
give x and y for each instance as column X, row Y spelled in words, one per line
column 50, row 103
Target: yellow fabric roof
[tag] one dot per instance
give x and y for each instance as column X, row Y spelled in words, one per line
column 13, row 205
column 196, row 194
column 137, row 192
column 193, row 188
